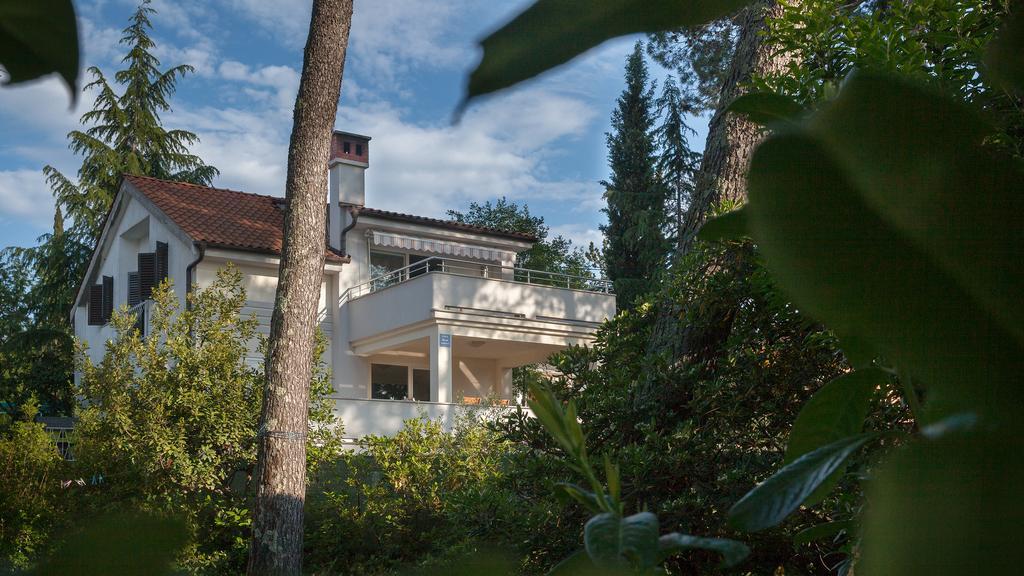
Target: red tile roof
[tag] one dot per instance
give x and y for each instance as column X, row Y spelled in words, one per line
column 219, row 217
column 253, row 222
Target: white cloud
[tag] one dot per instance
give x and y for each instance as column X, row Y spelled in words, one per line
column 580, row 234
column 282, row 80
column 24, row 195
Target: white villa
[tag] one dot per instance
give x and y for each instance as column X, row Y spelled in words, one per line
column 422, row 315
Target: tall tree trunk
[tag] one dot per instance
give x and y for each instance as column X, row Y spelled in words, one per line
column 722, row 176
column 276, row 546
column 732, row 138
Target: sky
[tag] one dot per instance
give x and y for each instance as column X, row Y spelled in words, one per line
column 541, row 143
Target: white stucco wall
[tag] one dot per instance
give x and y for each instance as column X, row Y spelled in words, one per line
column 119, row 256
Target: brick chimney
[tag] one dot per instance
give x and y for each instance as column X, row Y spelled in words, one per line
column 349, row 159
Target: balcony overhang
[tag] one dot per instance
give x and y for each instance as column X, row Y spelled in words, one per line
column 475, row 308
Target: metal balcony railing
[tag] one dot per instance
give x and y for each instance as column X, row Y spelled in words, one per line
column 471, row 269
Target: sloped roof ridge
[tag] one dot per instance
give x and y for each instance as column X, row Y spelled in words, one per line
column 452, row 224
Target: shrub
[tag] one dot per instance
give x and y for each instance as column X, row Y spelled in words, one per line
column 170, row 420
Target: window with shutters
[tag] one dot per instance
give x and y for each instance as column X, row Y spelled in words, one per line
column 96, row 305
column 134, row 289
column 161, row 263
column 108, row 298
column 147, row 274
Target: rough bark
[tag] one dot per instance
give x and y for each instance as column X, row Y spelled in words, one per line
column 730, row 143
column 276, row 545
column 732, row 138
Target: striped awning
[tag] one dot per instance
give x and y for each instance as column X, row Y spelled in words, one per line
column 435, row 246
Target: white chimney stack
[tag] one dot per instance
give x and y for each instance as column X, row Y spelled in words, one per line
column 349, row 159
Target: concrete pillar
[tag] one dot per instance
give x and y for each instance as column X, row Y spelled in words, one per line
column 339, row 339
column 441, row 365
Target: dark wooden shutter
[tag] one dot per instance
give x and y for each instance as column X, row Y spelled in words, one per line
column 147, row 273
column 134, row 289
column 161, row 263
column 96, row 305
column 108, row 297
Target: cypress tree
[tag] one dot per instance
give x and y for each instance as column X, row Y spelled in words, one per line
column 677, row 163
column 125, row 134
column 635, row 243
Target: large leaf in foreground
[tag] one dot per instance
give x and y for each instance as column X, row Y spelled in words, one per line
column 552, row 32
column 39, row 37
column 778, row 496
column 852, row 267
column 836, row 411
column 947, row 507
column 918, row 162
column 611, row 540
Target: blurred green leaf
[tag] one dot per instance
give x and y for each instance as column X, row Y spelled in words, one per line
column 566, row 490
column 1005, row 57
column 767, row 108
column 729, row 226
column 552, row 32
column 732, row 552
column 854, row 268
column 778, row 496
column 917, row 161
column 822, row 531
column 613, row 541
column 37, row 38
column 835, row 411
column 124, row 544
column 947, row 506
column 548, row 410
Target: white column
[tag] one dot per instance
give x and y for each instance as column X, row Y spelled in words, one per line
column 441, row 365
column 339, row 340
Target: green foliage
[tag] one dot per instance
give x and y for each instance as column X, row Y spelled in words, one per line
column 938, row 42
column 547, row 254
column 614, row 543
column 170, row 420
column 120, row 543
column 39, row 38
column 125, row 134
column 422, row 497
column 895, row 271
column 699, row 54
column 35, row 335
column 552, row 32
column 635, row 245
column 28, row 494
column 677, row 164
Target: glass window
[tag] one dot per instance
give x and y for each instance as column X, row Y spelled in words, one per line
column 421, row 385
column 389, row 382
column 382, row 268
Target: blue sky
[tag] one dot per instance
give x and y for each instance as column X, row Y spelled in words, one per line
column 541, row 144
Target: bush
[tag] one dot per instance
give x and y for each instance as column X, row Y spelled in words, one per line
column 170, row 420
column 29, row 493
column 424, row 497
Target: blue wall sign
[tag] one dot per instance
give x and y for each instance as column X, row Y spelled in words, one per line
column 445, row 341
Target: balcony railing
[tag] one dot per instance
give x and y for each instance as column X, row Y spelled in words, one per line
column 473, row 269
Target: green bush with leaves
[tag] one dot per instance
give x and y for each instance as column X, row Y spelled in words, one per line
column 30, row 498
column 170, row 419
column 421, row 497
column 891, row 215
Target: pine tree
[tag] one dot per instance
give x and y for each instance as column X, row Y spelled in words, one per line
column 276, row 544
column 677, row 163
column 125, row 134
column 635, row 243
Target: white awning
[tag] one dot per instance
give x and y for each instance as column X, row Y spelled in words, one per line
column 435, row 246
